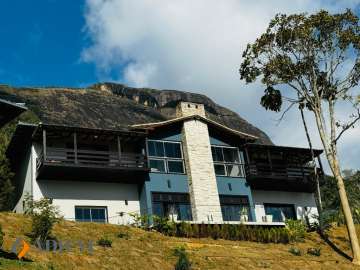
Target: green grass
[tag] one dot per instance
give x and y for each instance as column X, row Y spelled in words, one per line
column 151, row 250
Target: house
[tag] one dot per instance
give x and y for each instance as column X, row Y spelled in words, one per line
column 106, row 158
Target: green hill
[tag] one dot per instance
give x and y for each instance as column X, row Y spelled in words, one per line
column 139, row 249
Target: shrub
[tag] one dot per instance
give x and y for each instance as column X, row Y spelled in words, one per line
column 183, row 262
column 314, row 251
column 295, row 251
column 44, row 216
column 124, row 235
column 215, row 232
column 297, row 230
column 165, row 226
column 104, row 242
column 1, row 237
column 141, row 221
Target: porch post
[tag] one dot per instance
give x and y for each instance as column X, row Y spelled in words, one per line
column 75, row 148
column 44, row 144
column 119, row 148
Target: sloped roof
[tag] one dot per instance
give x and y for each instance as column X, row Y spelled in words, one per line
column 9, row 110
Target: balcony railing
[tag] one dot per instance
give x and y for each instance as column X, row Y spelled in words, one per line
column 276, row 171
column 93, row 158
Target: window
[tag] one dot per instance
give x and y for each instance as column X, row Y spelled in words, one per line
column 232, row 207
column 91, row 214
column 228, row 161
column 280, row 212
column 165, row 157
column 165, row 204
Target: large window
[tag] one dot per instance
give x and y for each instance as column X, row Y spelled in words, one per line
column 280, row 212
column 90, row 214
column 165, row 157
column 227, row 161
column 166, row 204
column 232, row 207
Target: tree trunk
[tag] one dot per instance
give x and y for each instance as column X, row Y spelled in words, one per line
column 335, row 168
column 318, row 194
column 347, row 213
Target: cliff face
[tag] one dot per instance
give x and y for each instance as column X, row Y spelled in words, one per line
column 165, row 102
column 114, row 106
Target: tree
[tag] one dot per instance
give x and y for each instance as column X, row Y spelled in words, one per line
column 6, row 187
column 312, row 61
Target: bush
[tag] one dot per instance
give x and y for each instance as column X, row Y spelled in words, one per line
column 183, row 262
column 141, row 221
column 104, row 242
column 165, row 226
column 314, row 251
column 297, row 230
column 44, row 216
column 295, row 251
column 1, row 237
column 124, row 235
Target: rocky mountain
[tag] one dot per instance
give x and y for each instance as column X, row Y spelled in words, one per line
column 115, row 106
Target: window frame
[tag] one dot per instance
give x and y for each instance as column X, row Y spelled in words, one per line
column 165, row 158
column 224, row 163
column 280, row 205
column 231, row 204
column 92, row 207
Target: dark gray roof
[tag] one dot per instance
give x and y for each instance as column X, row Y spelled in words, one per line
column 115, row 106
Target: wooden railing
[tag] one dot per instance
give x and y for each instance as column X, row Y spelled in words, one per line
column 92, row 158
column 266, row 170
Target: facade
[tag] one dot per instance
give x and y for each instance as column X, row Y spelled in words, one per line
column 189, row 168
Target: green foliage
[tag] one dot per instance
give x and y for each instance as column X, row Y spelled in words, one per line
column 229, row 231
column 104, row 242
column 331, row 198
column 1, row 237
column 295, row 251
column 6, row 187
column 124, row 235
column 141, row 221
column 314, row 251
column 297, row 230
column 183, row 262
column 44, row 215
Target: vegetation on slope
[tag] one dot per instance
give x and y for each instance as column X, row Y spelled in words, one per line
column 133, row 248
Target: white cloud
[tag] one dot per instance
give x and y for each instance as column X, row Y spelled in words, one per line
column 195, row 46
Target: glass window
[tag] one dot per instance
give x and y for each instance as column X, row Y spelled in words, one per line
column 232, row 207
column 90, row 214
column 217, row 153
column 231, row 155
column 219, row 169
column 280, row 212
column 175, row 166
column 234, row 170
column 157, row 165
column 172, row 150
column 156, row 149
column 165, row 204
column 168, row 157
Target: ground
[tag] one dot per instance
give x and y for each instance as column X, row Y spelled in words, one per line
column 151, row 250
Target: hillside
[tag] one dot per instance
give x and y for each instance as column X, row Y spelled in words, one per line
column 151, row 250
column 115, row 106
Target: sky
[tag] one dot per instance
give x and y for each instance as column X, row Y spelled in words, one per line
column 190, row 45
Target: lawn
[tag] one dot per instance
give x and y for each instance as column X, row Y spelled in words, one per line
column 138, row 249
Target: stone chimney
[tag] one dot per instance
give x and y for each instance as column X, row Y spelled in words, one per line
column 189, row 108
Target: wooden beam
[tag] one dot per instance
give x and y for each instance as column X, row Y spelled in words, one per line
column 44, row 144
column 119, row 148
column 75, row 148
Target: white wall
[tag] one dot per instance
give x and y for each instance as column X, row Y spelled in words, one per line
column 299, row 199
column 68, row 194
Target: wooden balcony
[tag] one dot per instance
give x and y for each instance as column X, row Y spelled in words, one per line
column 286, row 178
column 65, row 163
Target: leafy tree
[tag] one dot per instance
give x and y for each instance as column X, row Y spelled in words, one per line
column 6, row 187
column 312, row 61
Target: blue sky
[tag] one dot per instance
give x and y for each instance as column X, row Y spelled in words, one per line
column 179, row 44
column 41, row 42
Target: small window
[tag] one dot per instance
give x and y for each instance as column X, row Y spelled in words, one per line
column 172, row 150
column 157, row 165
column 175, row 166
column 90, row 214
column 219, row 169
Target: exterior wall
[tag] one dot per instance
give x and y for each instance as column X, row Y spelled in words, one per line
column 204, row 195
column 189, row 108
column 68, row 194
column 300, row 200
